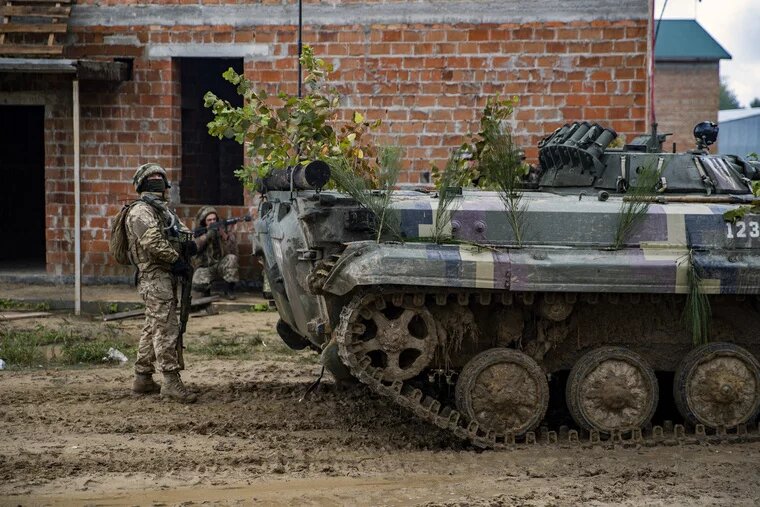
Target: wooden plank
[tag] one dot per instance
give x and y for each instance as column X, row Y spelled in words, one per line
column 35, row 11
column 137, row 313
column 33, row 28
column 51, row 41
column 22, row 315
column 6, row 20
column 30, row 49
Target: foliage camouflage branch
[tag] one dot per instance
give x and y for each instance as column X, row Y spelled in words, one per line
column 283, row 131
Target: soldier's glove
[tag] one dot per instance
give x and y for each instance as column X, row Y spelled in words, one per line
column 212, row 233
column 189, row 248
column 181, row 268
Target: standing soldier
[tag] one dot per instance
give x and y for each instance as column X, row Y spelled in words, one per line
column 155, row 233
column 220, row 258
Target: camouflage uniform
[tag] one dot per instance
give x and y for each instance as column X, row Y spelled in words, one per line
column 156, row 255
column 153, row 254
column 218, row 260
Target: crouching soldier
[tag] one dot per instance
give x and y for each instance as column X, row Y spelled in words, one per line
column 154, row 235
column 219, row 260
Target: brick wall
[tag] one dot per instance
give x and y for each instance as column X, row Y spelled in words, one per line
column 427, row 81
column 685, row 94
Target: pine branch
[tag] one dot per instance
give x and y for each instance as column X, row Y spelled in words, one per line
column 345, row 176
column 636, row 207
column 389, row 159
column 449, row 183
column 697, row 312
column 502, row 163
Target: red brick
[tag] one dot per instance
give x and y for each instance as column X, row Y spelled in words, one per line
column 428, row 84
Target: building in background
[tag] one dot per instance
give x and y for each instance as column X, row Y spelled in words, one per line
column 425, row 68
column 739, row 131
column 687, row 79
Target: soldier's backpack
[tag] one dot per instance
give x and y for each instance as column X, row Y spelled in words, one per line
column 119, row 243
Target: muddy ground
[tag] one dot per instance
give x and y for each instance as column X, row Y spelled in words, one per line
column 76, row 435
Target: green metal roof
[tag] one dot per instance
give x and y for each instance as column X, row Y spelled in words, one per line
column 686, row 40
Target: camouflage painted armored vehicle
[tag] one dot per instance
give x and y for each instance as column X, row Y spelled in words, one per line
column 584, row 313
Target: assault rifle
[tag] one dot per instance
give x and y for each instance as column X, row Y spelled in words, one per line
column 186, row 281
column 200, row 231
column 184, row 307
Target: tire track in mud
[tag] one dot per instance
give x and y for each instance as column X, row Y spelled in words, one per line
column 258, row 425
column 79, row 431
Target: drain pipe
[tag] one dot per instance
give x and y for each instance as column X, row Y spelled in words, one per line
column 77, row 206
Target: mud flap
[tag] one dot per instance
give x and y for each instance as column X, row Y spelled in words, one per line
column 292, row 339
column 332, row 362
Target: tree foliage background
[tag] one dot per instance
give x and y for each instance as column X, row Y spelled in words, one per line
column 727, row 96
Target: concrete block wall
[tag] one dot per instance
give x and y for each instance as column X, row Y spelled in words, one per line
column 683, row 98
column 424, row 68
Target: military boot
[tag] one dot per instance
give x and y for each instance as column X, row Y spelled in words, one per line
column 229, row 291
column 144, row 384
column 174, row 388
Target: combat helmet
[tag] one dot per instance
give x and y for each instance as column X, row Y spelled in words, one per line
column 205, row 211
column 146, row 170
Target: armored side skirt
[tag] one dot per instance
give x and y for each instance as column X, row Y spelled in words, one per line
column 631, row 270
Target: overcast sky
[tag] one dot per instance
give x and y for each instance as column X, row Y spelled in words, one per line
column 735, row 24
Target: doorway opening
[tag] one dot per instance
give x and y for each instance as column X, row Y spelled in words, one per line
column 208, row 163
column 22, row 169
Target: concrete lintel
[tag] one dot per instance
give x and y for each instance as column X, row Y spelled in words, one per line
column 424, row 12
column 204, row 50
column 121, row 40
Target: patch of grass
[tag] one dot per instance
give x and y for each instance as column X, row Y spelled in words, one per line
column 17, row 349
column 88, row 352
column 246, row 347
column 217, row 346
column 111, row 308
column 12, row 304
column 24, row 348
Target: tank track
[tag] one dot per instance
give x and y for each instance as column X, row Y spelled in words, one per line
column 450, row 419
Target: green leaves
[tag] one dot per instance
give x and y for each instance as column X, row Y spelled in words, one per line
column 737, row 213
column 474, row 158
column 489, row 160
column 284, row 131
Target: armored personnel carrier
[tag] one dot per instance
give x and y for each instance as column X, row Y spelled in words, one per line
column 482, row 334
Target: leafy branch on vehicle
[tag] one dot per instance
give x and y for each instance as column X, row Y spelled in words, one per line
column 284, row 130
column 739, row 212
column 490, row 160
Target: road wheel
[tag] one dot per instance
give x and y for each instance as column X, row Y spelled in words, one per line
column 612, row 389
column 718, row 384
column 504, row 390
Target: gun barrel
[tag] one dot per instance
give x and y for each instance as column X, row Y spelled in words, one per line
column 312, row 176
